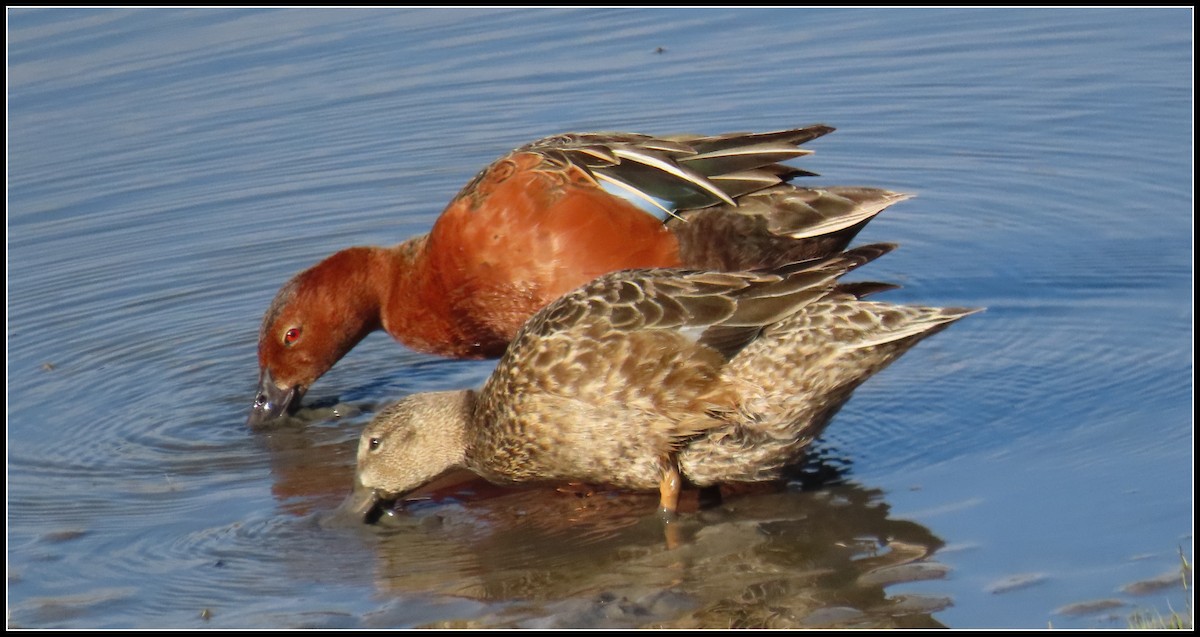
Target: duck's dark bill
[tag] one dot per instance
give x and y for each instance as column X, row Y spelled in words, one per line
column 272, row 402
column 366, row 505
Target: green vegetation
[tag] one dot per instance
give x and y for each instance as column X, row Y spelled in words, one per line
column 1146, row 620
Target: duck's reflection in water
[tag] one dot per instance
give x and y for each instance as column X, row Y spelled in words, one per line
column 815, row 551
column 768, row 557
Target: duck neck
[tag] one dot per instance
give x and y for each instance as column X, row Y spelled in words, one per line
column 418, row 303
column 453, row 414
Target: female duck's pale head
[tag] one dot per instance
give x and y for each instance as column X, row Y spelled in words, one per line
column 407, row 445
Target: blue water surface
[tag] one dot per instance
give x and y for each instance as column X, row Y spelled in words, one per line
column 168, row 170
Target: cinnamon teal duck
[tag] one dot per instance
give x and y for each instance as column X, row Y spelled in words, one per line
column 543, row 220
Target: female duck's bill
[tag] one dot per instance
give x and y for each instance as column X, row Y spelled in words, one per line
column 646, row 379
column 544, row 220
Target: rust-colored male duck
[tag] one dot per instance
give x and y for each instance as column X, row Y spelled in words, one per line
column 646, row 379
column 540, row 222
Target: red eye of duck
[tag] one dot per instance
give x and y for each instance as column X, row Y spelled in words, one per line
column 291, row 336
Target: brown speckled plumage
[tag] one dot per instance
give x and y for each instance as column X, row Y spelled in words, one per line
column 644, row 374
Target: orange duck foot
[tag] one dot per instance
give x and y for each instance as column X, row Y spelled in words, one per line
column 668, row 489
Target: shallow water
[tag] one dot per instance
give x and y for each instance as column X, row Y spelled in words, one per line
column 169, row 169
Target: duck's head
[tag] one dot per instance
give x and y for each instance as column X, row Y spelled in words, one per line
column 407, row 445
column 314, row 320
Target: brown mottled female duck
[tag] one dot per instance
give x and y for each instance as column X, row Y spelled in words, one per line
column 543, row 220
column 645, row 379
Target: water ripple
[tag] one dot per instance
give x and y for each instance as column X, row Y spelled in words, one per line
column 169, row 169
